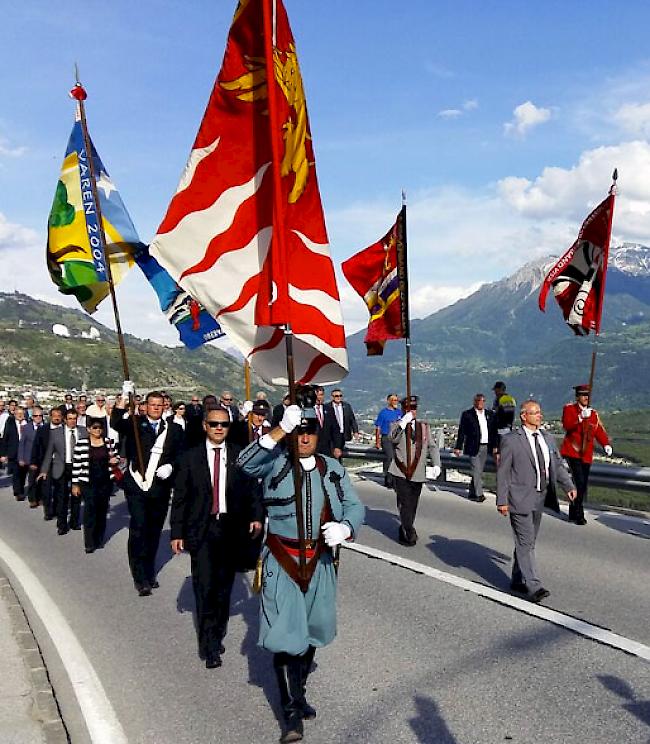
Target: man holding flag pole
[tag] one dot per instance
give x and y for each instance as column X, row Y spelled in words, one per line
column 245, row 236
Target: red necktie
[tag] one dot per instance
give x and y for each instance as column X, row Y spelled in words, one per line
column 319, row 411
column 215, row 481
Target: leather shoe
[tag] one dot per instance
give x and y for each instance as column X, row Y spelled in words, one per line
column 90, row 550
column 212, row 661
column 581, row 521
column 155, row 584
column 144, row 590
column 62, row 531
column 75, row 527
column 539, row 595
column 519, row 586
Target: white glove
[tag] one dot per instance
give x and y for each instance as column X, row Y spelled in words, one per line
column 608, row 450
column 335, row 533
column 247, row 407
column 164, row 471
column 290, row 419
column 128, row 388
column 585, row 413
column 433, row 472
column 406, row 419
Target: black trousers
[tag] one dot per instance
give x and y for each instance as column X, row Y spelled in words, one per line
column 148, row 514
column 18, row 475
column 408, row 496
column 61, row 488
column 35, row 488
column 96, row 498
column 213, row 574
column 388, row 449
column 580, row 472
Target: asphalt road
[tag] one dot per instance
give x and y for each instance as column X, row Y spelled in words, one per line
column 416, row 660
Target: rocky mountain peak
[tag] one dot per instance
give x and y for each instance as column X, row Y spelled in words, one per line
column 631, row 258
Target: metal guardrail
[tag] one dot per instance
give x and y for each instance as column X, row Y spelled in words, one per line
column 627, row 478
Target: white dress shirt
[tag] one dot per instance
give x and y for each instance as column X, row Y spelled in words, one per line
column 338, row 412
column 222, row 472
column 546, row 454
column 482, row 422
column 68, row 449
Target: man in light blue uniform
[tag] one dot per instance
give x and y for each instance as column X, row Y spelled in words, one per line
column 298, row 613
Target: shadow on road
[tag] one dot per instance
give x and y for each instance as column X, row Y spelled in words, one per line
column 260, row 662
column 638, row 708
column 635, row 527
column 164, row 554
column 118, row 519
column 484, row 562
column 383, row 521
column 429, row 725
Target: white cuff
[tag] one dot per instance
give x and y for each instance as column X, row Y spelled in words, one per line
column 267, row 442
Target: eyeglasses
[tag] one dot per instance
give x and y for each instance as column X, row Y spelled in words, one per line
column 337, row 396
column 227, row 400
column 195, row 400
column 218, row 424
column 37, row 415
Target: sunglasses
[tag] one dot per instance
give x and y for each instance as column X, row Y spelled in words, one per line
column 218, row 424
column 37, row 415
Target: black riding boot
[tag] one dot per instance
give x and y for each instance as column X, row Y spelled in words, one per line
column 288, row 671
column 307, row 660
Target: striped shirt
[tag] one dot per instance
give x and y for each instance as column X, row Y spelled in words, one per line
column 81, row 460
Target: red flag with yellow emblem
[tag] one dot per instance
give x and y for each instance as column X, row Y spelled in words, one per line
column 245, row 233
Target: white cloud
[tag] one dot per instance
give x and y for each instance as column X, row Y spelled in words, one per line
column 6, row 150
column 526, row 116
column 634, row 118
column 454, row 113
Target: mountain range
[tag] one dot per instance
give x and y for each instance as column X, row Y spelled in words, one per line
column 498, row 333
column 49, row 346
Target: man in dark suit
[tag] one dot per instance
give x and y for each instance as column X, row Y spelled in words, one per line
column 9, row 452
column 25, row 450
column 278, row 411
column 194, row 422
column 41, row 440
column 341, row 422
column 147, row 494
column 57, row 462
column 477, row 437
column 529, row 464
column 324, row 446
column 216, row 509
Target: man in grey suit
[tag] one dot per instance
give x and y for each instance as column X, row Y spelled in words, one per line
column 530, row 464
column 57, row 463
column 408, row 467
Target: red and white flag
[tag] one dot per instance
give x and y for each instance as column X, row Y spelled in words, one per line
column 245, row 232
column 578, row 278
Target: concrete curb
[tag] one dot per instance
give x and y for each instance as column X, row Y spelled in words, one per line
column 45, row 706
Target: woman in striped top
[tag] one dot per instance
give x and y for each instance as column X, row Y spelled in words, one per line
column 92, row 479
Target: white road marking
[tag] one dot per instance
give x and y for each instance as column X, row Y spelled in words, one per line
column 601, row 635
column 101, row 720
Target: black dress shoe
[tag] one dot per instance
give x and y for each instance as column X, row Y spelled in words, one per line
column 75, row 527
column 581, row 521
column 480, row 499
column 90, row 550
column 47, row 517
column 144, row 590
column 519, row 586
column 62, row 531
column 212, row 661
column 539, row 595
column 155, row 584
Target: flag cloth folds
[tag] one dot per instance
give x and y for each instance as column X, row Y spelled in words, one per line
column 245, row 233
column 75, row 257
column 374, row 275
column 194, row 324
column 578, row 278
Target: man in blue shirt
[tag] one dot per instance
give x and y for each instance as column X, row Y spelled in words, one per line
column 385, row 420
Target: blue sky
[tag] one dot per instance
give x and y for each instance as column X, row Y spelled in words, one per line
column 502, row 120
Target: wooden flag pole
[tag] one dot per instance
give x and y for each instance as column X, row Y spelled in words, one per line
column 247, row 393
column 402, row 271
column 109, row 273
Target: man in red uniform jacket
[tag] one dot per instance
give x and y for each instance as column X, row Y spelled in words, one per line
column 582, row 425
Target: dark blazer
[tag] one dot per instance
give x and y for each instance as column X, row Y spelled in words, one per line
column 192, row 502
column 173, row 449
column 9, row 441
column 26, row 443
column 469, row 432
column 194, row 433
column 41, row 440
column 332, row 425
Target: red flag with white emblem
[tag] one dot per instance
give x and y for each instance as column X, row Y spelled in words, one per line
column 245, row 232
column 578, row 278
